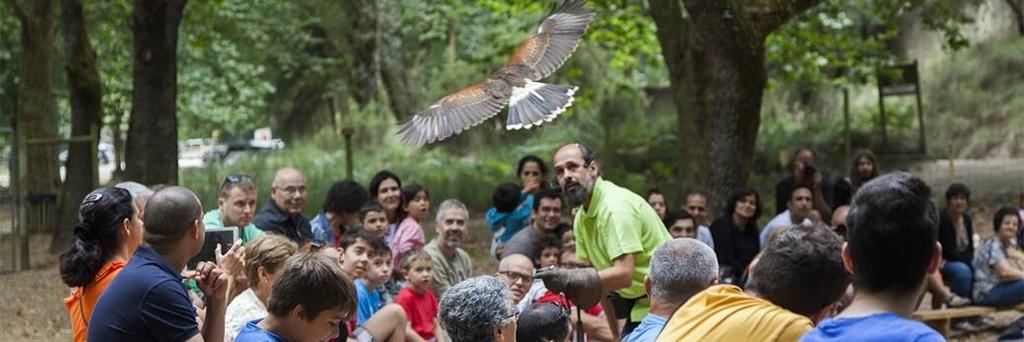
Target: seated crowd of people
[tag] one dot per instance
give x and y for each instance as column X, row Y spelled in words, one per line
column 362, row 269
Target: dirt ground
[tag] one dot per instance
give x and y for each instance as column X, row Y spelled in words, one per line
column 32, row 303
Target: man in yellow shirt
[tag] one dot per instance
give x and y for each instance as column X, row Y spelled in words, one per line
column 794, row 284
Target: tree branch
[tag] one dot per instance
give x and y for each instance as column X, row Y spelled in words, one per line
column 18, row 12
column 769, row 15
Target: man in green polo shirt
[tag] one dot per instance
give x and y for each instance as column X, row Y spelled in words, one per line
column 616, row 231
column 236, row 206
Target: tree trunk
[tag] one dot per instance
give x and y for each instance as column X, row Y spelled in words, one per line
column 86, row 93
column 715, row 58
column 396, row 80
column 118, row 135
column 1017, row 6
column 151, row 153
column 36, row 116
column 362, row 47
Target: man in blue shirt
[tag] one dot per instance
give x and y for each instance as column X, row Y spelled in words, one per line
column 679, row 269
column 891, row 248
column 147, row 301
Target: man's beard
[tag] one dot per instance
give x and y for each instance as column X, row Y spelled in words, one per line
column 576, row 196
column 453, row 242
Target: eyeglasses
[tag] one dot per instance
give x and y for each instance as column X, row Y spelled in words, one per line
column 513, row 277
column 294, row 189
column 92, row 198
column 234, row 179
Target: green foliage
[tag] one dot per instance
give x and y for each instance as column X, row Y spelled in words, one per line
column 843, row 42
column 974, row 103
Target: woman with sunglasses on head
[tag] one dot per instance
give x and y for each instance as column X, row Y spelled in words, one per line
column 106, row 236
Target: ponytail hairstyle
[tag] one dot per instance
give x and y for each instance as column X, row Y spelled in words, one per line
column 95, row 236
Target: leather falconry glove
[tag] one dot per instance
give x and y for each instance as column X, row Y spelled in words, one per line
column 581, row 285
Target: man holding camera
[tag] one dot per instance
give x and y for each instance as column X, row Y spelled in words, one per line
column 805, row 171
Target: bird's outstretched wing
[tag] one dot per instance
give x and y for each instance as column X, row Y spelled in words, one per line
column 453, row 114
column 555, row 40
column 543, row 53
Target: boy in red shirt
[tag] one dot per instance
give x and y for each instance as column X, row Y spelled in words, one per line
column 419, row 302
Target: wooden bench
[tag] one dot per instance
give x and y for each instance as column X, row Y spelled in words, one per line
column 940, row 319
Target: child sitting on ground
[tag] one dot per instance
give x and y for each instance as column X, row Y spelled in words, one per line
column 409, row 235
column 374, row 219
column 551, row 254
column 370, row 300
column 387, row 323
column 548, row 253
column 419, row 302
column 309, row 299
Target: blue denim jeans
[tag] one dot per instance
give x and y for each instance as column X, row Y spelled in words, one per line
column 959, row 276
column 1005, row 294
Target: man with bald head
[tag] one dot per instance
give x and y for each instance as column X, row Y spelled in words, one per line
column 516, row 270
column 147, row 300
column 616, row 231
column 282, row 214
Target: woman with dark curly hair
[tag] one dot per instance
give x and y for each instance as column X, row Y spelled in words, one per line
column 107, row 234
column 735, row 234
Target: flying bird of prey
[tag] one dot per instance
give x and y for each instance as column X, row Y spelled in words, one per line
column 530, row 103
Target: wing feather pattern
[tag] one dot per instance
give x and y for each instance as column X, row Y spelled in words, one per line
column 538, row 57
column 555, row 40
column 452, row 114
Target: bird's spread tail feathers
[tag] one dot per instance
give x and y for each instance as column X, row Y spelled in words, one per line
column 537, row 103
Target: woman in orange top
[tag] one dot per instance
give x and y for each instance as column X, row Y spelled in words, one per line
column 108, row 232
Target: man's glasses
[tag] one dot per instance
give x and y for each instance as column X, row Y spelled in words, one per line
column 513, row 277
column 293, row 189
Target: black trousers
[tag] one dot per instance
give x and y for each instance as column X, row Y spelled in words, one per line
column 623, row 307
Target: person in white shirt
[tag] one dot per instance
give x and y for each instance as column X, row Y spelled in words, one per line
column 798, row 213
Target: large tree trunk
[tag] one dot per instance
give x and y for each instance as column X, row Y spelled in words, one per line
column 36, row 117
column 152, row 152
column 362, row 46
column 86, row 93
column 396, row 79
column 303, row 90
column 1017, row 6
column 715, row 58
